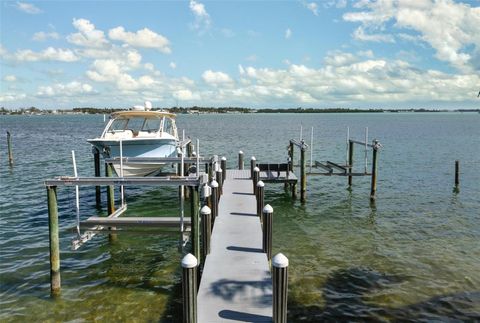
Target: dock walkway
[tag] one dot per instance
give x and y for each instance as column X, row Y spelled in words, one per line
column 236, row 283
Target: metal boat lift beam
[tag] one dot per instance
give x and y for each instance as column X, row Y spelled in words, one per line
column 159, row 160
column 154, row 181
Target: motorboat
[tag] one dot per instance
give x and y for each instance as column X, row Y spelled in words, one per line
column 139, row 132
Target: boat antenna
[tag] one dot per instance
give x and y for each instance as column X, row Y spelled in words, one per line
column 148, row 105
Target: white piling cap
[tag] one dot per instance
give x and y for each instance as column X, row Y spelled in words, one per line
column 260, row 184
column 189, row 261
column 253, row 158
column 224, row 158
column 279, row 261
column 256, row 169
column 240, row 152
column 214, row 184
column 194, row 154
column 219, row 169
column 205, row 210
column 268, row 209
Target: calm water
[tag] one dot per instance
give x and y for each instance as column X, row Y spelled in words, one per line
column 415, row 255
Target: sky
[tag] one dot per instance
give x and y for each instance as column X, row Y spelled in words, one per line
column 258, row 54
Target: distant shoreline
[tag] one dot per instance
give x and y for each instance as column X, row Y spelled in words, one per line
column 221, row 110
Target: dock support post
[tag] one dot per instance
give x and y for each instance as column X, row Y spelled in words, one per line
column 280, row 288
column 350, row 163
column 206, row 230
column 373, row 186
column 223, row 165
column 260, row 198
column 189, row 288
column 98, row 192
column 253, row 164
column 240, row 160
column 456, row 189
column 267, row 230
column 110, row 191
column 219, row 179
column 214, row 201
column 303, row 174
column 195, row 222
column 9, row 146
column 290, row 156
column 256, row 178
column 54, row 241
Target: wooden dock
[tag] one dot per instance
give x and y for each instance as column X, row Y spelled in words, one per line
column 236, row 283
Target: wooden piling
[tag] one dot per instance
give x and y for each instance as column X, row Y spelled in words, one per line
column 240, row 160
column 98, row 191
column 456, row 189
column 280, row 288
column 214, row 200
column 256, row 178
column 253, row 164
column 206, row 214
column 260, row 198
column 219, row 179
column 303, row 174
column 194, row 201
column 350, row 162
column 290, row 156
column 10, row 150
column 373, row 186
column 267, row 227
column 110, row 190
column 189, row 288
column 223, row 165
column 55, row 284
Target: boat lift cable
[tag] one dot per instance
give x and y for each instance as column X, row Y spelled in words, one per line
column 77, row 195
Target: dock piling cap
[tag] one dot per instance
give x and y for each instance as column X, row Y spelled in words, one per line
column 253, row 158
column 205, row 210
column 256, row 169
column 268, row 209
column 279, row 261
column 224, row 158
column 260, row 184
column 240, row 152
column 189, row 261
column 214, row 184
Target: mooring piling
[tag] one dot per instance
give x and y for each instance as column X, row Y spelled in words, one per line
column 290, row 156
column 195, row 235
column 350, row 162
column 110, row 190
column 256, row 178
column 214, row 200
column 267, row 227
column 456, row 189
column 98, row 191
column 253, row 164
column 373, row 186
column 280, row 288
column 55, row 284
column 206, row 214
column 240, row 160
column 260, row 198
column 303, row 173
column 223, row 165
column 219, row 179
column 10, row 150
column 189, row 288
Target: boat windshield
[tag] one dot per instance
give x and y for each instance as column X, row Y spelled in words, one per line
column 136, row 124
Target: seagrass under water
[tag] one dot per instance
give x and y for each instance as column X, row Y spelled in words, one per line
column 415, row 255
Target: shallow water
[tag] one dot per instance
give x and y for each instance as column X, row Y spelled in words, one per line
column 414, row 255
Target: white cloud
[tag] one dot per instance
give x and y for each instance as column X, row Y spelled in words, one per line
column 211, row 77
column 359, row 34
column 12, row 97
column 172, row 65
column 288, row 33
column 28, row 8
column 185, row 95
column 71, row 89
column 149, row 67
column 312, row 6
column 49, row 54
column 87, row 36
column 451, row 29
column 42, row 36
column 202, row 18
column 9, row 78
column 142, row 38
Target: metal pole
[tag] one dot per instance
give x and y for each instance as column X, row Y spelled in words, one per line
column 303, row 175
column 253, row 164
column 206, row 230
column 366, row 149
column 223, row 165
column 240, row 160
column 214, row 199
column 350, row 162
column 374, row 171
column 256, row 178
column 260, row 198
column 77, row 194
column 347, row 146
column 55, row 285
column 195, row 221
column 457, row 176
column 267, row 230
column 9, row 145
column 98, row 191
column 311, row 151
column 189, row 288
column 280, row 288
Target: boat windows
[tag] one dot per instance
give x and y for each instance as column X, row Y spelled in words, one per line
column 135, row 125
column 167, row 126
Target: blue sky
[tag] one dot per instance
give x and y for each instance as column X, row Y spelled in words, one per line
column 332, row 53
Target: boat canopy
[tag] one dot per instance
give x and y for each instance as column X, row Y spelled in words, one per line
column 143, row 114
